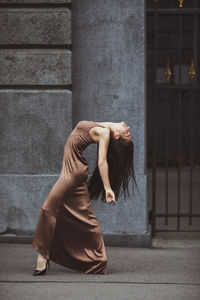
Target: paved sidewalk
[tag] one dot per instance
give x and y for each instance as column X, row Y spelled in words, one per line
column 159, row 273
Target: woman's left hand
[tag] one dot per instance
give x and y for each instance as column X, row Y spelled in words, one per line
column 110, row 196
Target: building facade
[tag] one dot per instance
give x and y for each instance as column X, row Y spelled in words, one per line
column 63, row 62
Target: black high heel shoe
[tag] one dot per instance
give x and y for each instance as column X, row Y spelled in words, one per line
column 42, row 272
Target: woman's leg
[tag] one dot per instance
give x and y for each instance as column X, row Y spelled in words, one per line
column 45, row 228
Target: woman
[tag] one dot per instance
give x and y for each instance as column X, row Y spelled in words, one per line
column 68, row 231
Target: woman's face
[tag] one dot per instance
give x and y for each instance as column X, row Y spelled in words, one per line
column 124, row 131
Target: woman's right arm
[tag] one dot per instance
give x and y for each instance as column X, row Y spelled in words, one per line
column 104, row 138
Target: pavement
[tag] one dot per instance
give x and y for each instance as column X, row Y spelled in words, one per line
column 168, row 270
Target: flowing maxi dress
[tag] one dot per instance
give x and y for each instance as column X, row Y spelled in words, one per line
column 68, row 231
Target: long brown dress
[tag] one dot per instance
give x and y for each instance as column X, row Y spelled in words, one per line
column 68, row 231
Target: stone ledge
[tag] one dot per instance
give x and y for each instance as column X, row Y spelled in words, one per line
column 128, row 240
column 113, row 240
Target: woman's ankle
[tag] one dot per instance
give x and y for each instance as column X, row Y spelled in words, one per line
column 41, row 262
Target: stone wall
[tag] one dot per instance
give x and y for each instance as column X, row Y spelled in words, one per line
column 37, row 111
column 35, row 105
column 108, row 71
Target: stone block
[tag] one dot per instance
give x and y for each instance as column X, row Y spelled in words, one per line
column 35, row 67
column 34, row 126
column 50, row 26
column 21, row 199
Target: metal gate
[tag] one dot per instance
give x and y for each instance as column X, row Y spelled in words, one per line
column 173, row 114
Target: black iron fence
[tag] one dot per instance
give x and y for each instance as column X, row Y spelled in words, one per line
column 173, row 114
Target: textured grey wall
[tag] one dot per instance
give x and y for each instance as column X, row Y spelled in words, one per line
column 108, row 74
column 35, row 106
column 44, row 26
column 34, row 126
column 35, row 67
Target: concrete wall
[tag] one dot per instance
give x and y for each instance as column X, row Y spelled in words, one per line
column 35, row 105
column 108, row 74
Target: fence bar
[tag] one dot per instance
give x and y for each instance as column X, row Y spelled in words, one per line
column 179, row 160
column 154, row 121
column 179, row 122
column 175, row 215
column 174, row 11
column 195, row 55
column 166, row 157
column 183, row 87
column 174, row 230
column 195, row 43
column 191, row 153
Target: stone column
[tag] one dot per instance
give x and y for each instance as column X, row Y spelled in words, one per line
column 108, row 78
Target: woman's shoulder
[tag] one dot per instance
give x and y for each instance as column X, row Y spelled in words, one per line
column 94, row 126
column 82, row 123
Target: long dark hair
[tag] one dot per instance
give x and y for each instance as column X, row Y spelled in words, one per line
column 120, row 164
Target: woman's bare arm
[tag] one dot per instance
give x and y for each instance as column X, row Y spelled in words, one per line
column 104, row 138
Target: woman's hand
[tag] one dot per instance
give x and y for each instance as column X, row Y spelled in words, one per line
column 110, row 196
